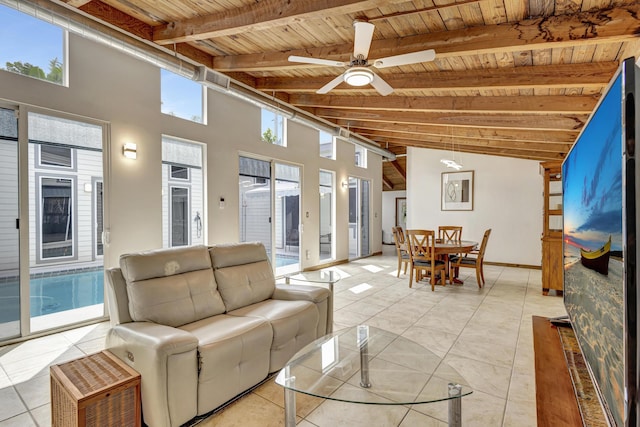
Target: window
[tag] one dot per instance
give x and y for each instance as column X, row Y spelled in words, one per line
column 179, row 172
column 183, row 198
column 51, row 155
column 32, row 47
column 182, row 97
column 56, row 216
column 273, row 128
column 361, row 156
column 327, row 147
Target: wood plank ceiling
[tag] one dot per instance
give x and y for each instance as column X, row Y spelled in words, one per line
column 515, row 78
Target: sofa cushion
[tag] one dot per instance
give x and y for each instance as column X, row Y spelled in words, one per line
column 233, row 356
column 171, row 286
column 294, row 325
column 243, row 273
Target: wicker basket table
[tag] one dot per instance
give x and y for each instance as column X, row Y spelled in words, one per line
column 96, row 390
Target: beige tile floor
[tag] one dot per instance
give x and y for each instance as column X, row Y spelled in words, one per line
column 485, row 334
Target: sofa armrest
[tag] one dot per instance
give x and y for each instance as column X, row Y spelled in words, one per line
column 311, row 293
column 320, row 296
column 167, row 360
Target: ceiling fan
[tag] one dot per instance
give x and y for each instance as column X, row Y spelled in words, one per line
column 358, row 71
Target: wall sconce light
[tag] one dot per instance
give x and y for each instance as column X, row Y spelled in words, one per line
column 130, row 150
column 345, row 184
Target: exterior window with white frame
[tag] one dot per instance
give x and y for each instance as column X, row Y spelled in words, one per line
column 32, row 47
column 55, row 156
column 182, row 97
column 273, row 127
column 327, row 145
column 183, row 198
column 361, row 156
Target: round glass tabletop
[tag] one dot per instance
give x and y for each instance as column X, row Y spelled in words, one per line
column 316, row 276
column 368, row 365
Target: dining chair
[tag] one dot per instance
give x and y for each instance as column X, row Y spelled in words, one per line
column 449, row 232
column 476, row 262
column 401, row 249
column 422, row 254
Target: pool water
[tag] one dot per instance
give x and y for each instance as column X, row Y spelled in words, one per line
column 62, row 292
column 53, row 294
column 65, row 292
column 282, row 261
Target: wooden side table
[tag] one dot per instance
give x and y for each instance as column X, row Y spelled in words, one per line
column 96, row 390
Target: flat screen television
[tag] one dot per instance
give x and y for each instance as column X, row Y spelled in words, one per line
column 599, row 245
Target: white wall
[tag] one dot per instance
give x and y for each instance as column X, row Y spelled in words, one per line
column 124, row 92
column 389, row 213
column 507, row 199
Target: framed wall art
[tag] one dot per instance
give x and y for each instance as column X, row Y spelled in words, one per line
column 457, row 191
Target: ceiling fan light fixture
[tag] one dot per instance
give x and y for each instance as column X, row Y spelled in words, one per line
column 358, row 76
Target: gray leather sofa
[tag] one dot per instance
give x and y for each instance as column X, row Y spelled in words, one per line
column 204, row 324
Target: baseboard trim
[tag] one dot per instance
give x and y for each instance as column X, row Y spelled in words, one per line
column 508, row 264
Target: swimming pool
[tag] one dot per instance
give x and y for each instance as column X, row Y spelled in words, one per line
column 53, row 293
column 281, row 260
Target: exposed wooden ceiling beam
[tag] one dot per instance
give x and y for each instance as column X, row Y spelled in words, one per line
column 588, row 75
column 399, row 169
column 423, row 10
column 612, row 25
column 461, row 143
column 387, row 182
column 76, row 3
column 258, row 16
column 578, row 104
column 113, row 16
column 495, row 151
column 453, row 132
column 503, row 121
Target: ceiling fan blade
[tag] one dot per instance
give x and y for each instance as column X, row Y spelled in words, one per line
column 333, row 83
column 380, row 85
column 406, row 59
column 316, row 61
column 362, row 41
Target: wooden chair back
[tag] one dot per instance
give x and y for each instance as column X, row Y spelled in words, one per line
column 422, row 252
column 398, row 237
column 401, row 249
column 475, row 262
column 421, row 244
column 483, row 245
column 449, row 232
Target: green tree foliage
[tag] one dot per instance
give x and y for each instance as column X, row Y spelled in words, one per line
column 269, row 137
column 27, row 69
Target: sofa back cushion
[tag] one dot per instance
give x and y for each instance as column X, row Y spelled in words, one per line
column 171, row 286
column 243, row 273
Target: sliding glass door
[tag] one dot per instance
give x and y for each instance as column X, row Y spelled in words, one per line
column 359, row 225
column 325, row 215
column 255, row 201
column 9, row 232
column 66, row 279
column 271, row 213
column 51, row 222
column 287, row 215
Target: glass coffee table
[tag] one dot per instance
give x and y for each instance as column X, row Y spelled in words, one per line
column 367, row 365
column 322, row 277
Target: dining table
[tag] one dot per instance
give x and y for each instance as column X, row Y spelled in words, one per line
column 446, row 248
